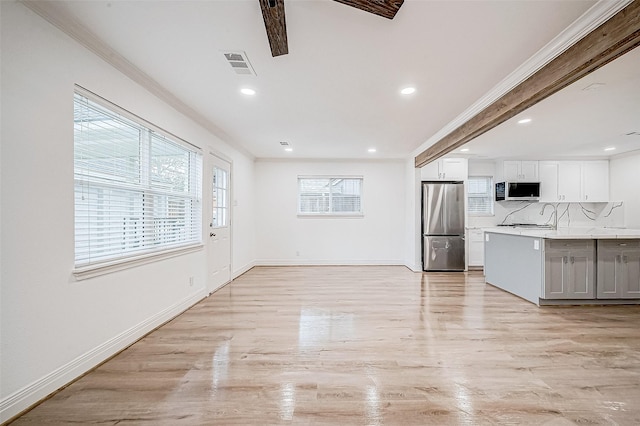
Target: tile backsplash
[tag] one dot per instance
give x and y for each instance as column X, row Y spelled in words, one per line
column 569, row 214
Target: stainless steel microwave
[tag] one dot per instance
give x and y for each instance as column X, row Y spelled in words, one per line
column 517, row 191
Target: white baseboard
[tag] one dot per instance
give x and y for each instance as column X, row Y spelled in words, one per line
column 414, row 267
column 327, row 262
column 24, row 398
column 242, row 270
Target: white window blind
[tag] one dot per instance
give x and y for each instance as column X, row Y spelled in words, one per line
column 136, row 191
column 330, row 196
column 480, row 195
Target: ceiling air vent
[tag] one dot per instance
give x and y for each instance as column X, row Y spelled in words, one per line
column 239, row 62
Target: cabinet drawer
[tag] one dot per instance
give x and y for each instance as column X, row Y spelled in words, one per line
column 569, row 244
column 618, row 244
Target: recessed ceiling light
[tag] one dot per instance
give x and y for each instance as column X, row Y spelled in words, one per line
column 464, row 150
column 247, row 91
column 524, row 121
column 289, row 149
column 372, row 150
column 611, row 148
column 408, row 90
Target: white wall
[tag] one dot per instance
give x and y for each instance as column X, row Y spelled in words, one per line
column 283, row 238
column 624, row 175
column 413, row 216
column 243, row 211
column 52, row 326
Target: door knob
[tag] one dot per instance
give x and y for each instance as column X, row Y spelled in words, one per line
column 212, row 234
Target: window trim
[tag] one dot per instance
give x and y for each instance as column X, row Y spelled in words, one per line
column 331, row 215
column 97, row 269
column 116, row 264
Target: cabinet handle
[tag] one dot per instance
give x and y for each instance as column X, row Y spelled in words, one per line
column 618, row 258
column 572, row 258
column 564, row 259
column 624, row 259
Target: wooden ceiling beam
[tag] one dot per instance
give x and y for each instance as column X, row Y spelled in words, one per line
column 384, row 8
column 276, row 26
column 615, row 37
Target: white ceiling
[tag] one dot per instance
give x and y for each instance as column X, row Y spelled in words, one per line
column 602, row 110
column 336, row 93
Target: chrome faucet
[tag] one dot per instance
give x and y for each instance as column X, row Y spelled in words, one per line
column 554, row 214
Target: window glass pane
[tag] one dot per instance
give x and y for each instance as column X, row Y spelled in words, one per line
column 345, row 195
column 169, row 165
column 106, row 148
column 219, row 197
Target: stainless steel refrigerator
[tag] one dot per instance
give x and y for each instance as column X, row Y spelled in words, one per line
column 443, row 226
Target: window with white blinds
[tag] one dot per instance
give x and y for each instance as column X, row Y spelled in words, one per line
column 136, row 191
column 330, row 196
column 480, row 195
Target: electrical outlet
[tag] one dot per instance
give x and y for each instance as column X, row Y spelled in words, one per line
column 190, row 281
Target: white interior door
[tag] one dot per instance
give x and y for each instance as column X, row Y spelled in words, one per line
column 219, row 232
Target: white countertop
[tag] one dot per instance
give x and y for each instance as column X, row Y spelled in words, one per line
column 569, row 233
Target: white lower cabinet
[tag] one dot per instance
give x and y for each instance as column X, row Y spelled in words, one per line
column 476, row 247
column 569, row 269
column 618, row 269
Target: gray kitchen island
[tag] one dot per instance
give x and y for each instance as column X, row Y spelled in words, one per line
column 565, row 266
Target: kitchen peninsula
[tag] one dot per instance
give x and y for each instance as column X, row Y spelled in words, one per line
column 565, row 266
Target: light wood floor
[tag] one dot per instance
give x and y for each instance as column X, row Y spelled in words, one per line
column 367, row 346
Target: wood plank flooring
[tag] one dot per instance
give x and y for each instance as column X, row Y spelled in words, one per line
column 366, row 346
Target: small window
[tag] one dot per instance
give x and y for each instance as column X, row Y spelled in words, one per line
column 332, row 196
column 480, row 195
column 220, row 196
column 137, row 191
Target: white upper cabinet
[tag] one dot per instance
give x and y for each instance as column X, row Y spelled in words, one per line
column 595, row 181
column 574, row 181
column 548, row 171
column 445, row 169
column 526, row 171
column 569, row 181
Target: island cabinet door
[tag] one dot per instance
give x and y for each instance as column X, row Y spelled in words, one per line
column 569, row 269
column 631, row 262
column 582, row 275
column 610, row 279
column 556, row 275
column 618, row 269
